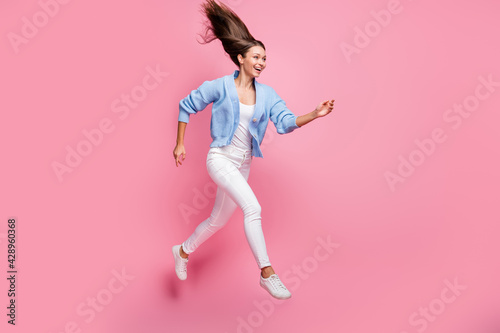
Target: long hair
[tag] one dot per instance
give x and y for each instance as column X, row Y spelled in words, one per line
column 225, row 25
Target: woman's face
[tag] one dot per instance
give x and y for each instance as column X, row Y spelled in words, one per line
column 254, row 61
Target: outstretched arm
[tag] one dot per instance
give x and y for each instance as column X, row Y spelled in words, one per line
column 321, row 110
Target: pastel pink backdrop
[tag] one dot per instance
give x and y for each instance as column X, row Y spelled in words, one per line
column 119, row 211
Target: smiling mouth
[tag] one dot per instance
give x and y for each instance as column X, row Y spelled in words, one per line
column 258, row 69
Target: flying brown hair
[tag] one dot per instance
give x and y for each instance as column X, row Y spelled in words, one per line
column 225, row 25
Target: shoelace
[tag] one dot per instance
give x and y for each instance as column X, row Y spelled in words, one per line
column 183, row 264
column 276, row 283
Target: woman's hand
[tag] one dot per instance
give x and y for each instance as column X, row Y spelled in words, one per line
column 321, row 110
column 324, row 108
column 179, row 151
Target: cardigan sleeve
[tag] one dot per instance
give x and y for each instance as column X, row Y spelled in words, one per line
column 197, row 100
column 281, row 116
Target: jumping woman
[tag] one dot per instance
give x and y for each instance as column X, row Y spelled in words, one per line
column 241, row 111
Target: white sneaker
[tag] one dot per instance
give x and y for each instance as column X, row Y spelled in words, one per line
column 180, row 263
column 275, row 287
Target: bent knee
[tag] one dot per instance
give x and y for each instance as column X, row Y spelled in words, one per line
column 216, row 223
column 252, row 210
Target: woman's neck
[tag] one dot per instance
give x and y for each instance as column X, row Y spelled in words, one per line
column 243, row 81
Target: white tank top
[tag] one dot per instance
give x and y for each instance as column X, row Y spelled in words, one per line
column 242, row 137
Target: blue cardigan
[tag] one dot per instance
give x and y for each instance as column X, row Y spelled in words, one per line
column 226, row 111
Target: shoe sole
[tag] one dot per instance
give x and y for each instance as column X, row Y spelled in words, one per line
column 282, row 298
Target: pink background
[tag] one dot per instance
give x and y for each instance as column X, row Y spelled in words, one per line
column 398, row 247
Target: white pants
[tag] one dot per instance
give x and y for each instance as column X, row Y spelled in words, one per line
column 229, row 168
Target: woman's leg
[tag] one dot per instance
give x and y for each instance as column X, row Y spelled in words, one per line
column 230, row 173
column 235, row 183
column 223, row 208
